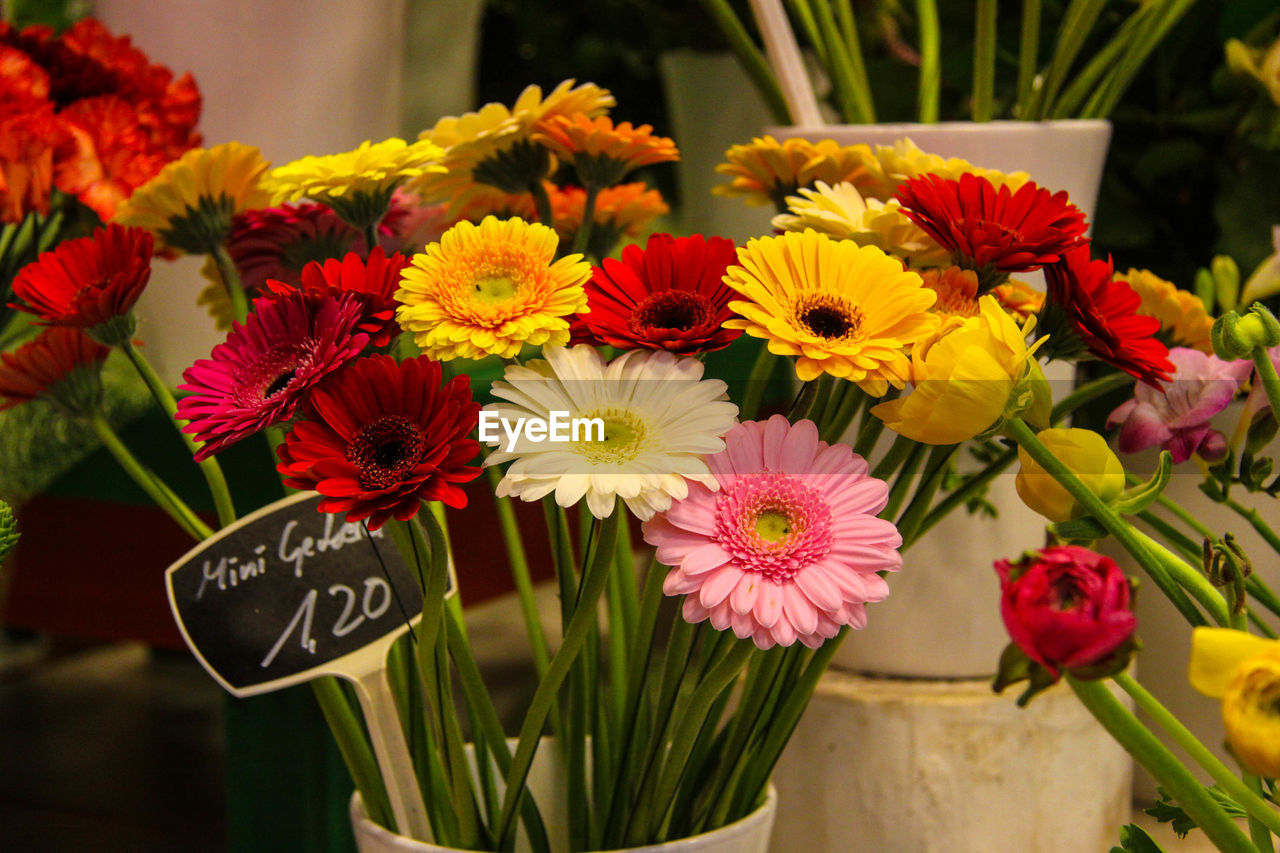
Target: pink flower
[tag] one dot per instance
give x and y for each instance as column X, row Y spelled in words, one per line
column 788, row 546
column 1177, row 417
column 257, row 377
column 1067, row 608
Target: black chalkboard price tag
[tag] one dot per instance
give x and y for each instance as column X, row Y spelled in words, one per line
column 288, row 594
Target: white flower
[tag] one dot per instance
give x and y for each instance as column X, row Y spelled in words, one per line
column 660, row 417
column 841, row 212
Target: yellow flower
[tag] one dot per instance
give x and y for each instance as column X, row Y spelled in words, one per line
column 889, row 166
column 188, row 206
column 968, row 379
column 841, row 212
column 1262, row 64
column 214, row 297
column 1244, row 672
column 490, row 289
column 356, row 184
column 602, row 153
column 1086, row 453
column 1019, row 299
column 1181, row 313
column 840, row 308
column 482, row 139
column 767, row 171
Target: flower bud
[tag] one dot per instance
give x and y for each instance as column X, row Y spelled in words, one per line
column 1226, row 280
column 1069, row 608
column 1236, row 335
column 1087, row 455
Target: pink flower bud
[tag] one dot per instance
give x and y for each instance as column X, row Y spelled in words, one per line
column 1068, row 608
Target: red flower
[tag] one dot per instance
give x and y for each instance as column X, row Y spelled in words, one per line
column 106, row 155
column 61, row 365
column 667, row 296
column 385, row 437
column 988, row 228
column 277, row 242
column 29, row 132
column 87, row 281
column 1068, row 608
column 1104, row 313
column 373, row 281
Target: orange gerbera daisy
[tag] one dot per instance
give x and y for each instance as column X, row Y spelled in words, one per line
column 601, row 152
column 622, row 211
column 28, row 131
column 1182, row 317
column 957, row 290
column 767, row 171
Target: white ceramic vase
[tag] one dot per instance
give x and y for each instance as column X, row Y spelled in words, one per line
column 942, row 617
column 548, row 786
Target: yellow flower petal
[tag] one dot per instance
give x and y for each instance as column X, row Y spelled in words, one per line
column 1217, row 652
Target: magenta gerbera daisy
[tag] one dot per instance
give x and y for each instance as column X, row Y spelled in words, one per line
column 257, row 377
column 278, row 242
column 994, row 231
column 789, row 546
column 384, row 438
column 669, row 295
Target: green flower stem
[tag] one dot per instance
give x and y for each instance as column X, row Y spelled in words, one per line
column 855, row 102
column 840, row 416
column 934, row 473
column 930, row 60
column 520, row 574
column 1270, row 381
column 231, row 280
column 155, row 488
column 810, row 394
column 542, row 203
column 1168, row 770
column 1028, row 50
column 719, row 679
column 594, row 579
column 582, row 239
column 1259, row 830
column 1155, row 559
column 902, row 482
column 210, row 468
column 1166, row 13
column 1077, row 22
column 349, row 734
column 749, row 57
column 757, row 380
column 984, row 61
column 849, row 32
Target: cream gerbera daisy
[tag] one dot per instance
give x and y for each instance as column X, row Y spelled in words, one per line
column 660, row 420
column 188, row 206
column 890, row 165
column 490, row 289
column 840, row 308
column 840, row 211
column 356, row 184
column 767, row 171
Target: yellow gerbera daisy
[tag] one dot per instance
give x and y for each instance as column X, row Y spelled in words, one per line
column 488, row 138
column 215, row 298
column 356, row 184
column 890, row 165
column 601, row 153
column 188, row 206
column 490, row 289
column 840, row 308
column 767, row 171
column 1181, row 313
column 841, row 212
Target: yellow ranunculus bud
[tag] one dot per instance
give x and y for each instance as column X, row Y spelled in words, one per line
column 1087, row 455
column 1244, row 672
column 968, row 379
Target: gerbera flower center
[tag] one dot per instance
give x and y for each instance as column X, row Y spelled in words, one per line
column 491, row 289
column 671, row 309
column 386, row 450
column 280, row 383
column 828, row 317
column 623, row 438
column 271, row 374
column 773, row 524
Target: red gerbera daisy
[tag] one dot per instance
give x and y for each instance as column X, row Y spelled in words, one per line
column 994, row 231
column 385, row 437
column 61, row 365
column 670, row 295
column 258, row 376
column 89, row 281
column 1103, row 313
column 374, row 282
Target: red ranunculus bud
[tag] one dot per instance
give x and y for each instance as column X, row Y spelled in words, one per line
column 1068, row 608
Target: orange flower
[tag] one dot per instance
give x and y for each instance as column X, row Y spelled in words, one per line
column 957, row 290
column 483, row 200
column 767, row 171
column 1018, row 299
column 622, row 211
column 601, row 152
column 1181, row 313
column 108, row 156
column 28, row 132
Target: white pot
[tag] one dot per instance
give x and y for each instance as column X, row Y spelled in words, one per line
column 942, row 617
column 549, row 789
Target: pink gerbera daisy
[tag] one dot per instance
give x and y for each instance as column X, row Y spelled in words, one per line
column 259, row 374
column 789, row 546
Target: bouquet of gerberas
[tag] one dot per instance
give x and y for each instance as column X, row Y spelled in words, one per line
column 888, row 289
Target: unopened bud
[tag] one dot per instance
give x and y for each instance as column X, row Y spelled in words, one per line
column 1236, row 335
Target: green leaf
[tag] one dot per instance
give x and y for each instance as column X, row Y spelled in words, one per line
column 1167, row 811
column 1138, row 498
column 1135, row 840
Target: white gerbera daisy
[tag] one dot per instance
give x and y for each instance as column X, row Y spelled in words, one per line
column 660, row 418
column 840, row 211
